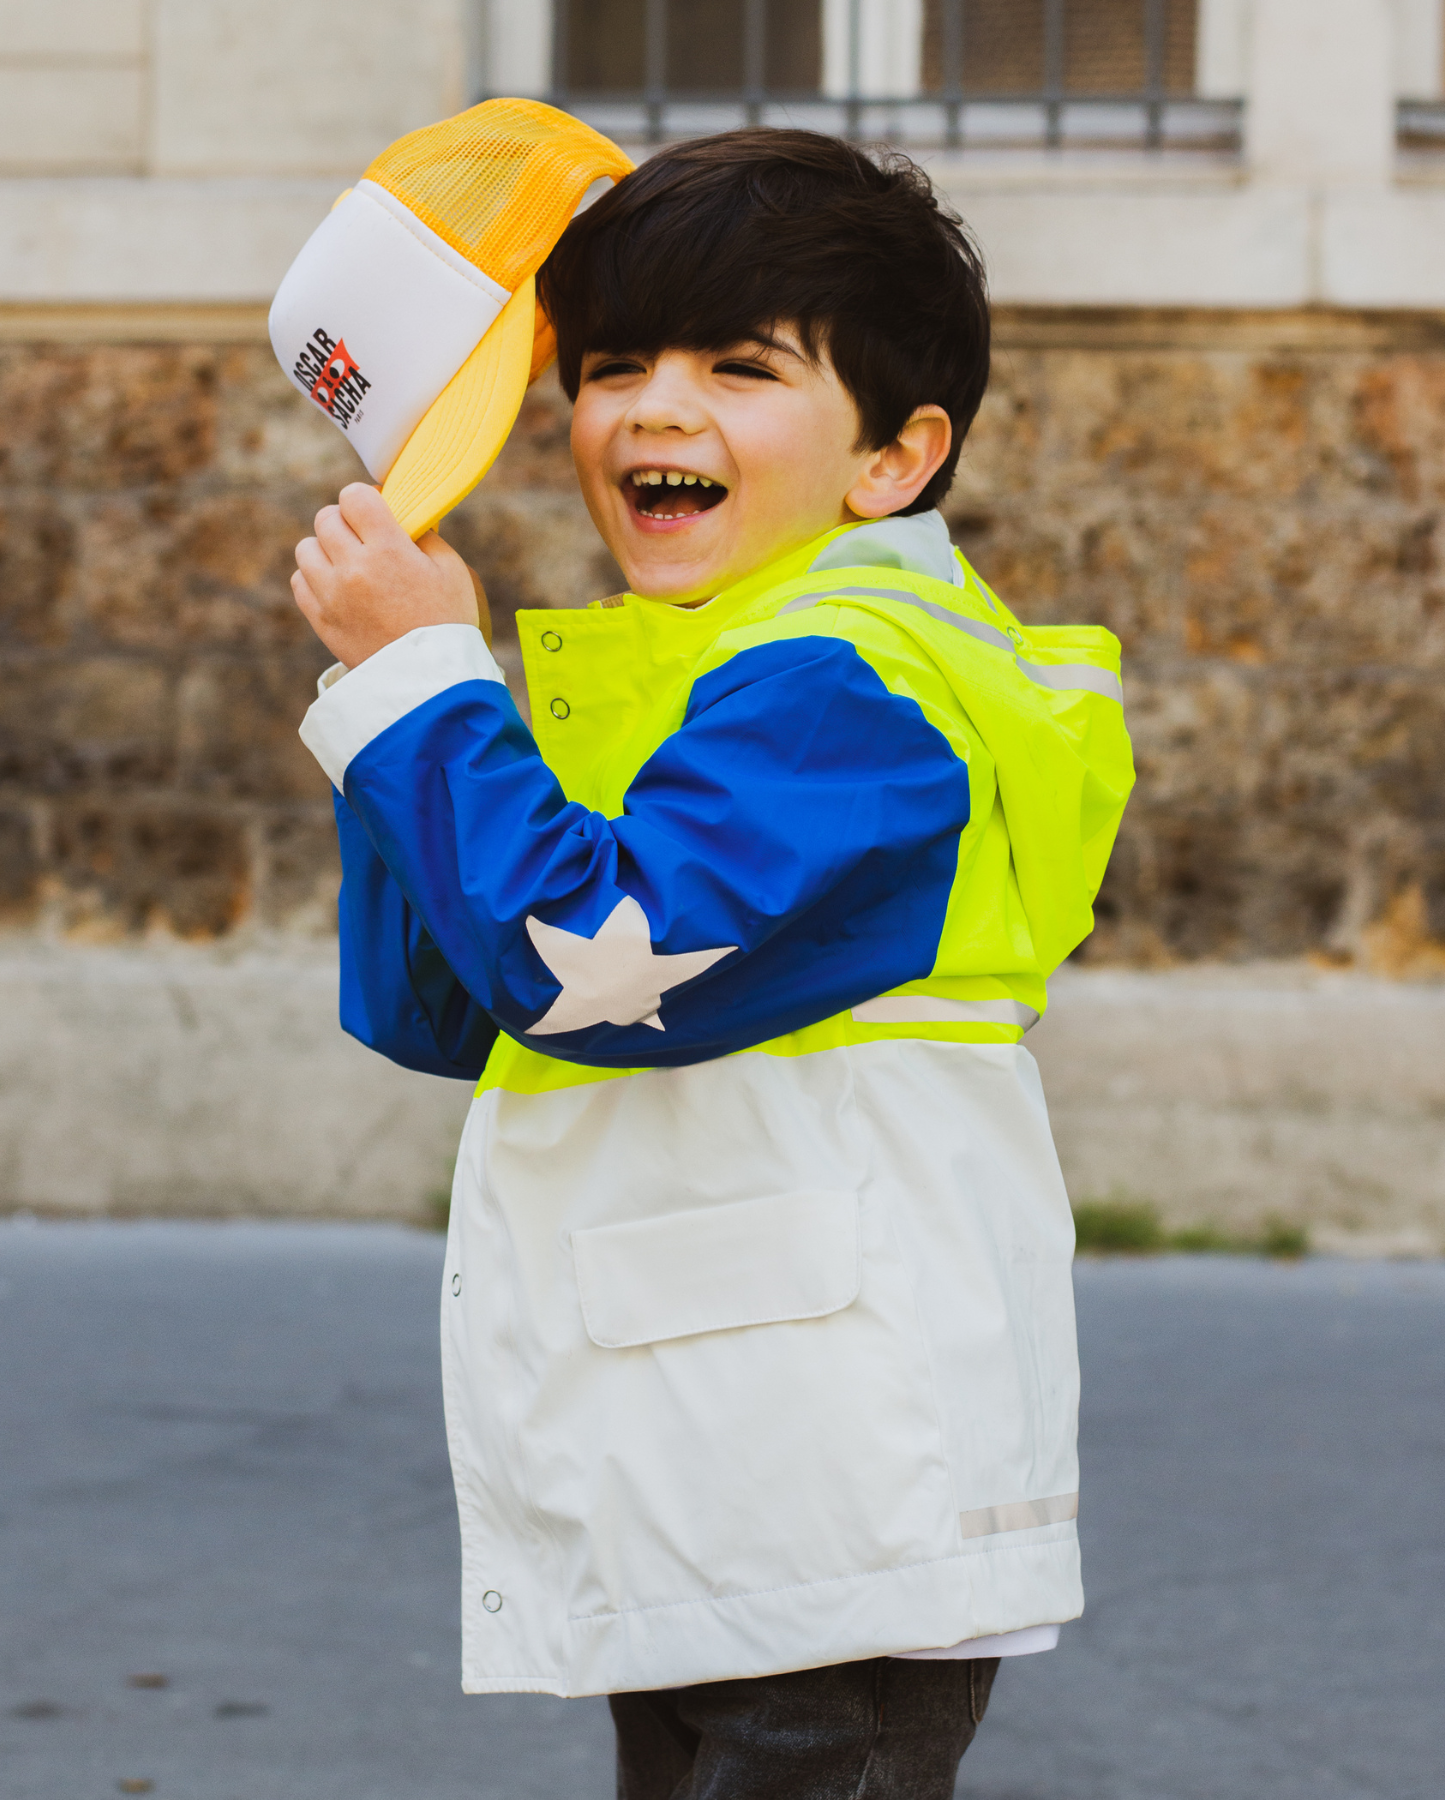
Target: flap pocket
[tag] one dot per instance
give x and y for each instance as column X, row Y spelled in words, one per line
column 754, row 1262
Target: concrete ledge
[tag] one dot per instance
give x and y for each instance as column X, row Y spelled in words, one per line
column 209, row 1082
column 1230, row 1094
column 191, row 1082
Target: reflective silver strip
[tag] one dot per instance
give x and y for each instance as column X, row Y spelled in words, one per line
column 1063, row 676
column 987, row 634
column 1018, row 1515
column 933, row 1009
column 1059, row 677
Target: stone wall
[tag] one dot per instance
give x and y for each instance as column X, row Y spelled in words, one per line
column 1252, row 501
column 1254, row 505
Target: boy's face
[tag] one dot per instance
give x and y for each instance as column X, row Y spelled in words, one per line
column 698, row 467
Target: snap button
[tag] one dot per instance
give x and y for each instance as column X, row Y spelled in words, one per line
column 551, row 641
column 559, row 709
column 492, row 1600
column 456, row 1284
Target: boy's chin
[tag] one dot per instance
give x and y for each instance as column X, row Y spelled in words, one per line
column 676, row 570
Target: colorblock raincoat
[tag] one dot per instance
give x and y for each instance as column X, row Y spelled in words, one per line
column 757, row 1324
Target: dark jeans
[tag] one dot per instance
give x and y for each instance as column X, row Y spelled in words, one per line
column 876, row 1730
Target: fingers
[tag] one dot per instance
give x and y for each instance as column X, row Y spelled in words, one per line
column 434, row 545
column 313, row 565
column 334, row 534
column 305, row 599
column 458, row 579
column 367, row 514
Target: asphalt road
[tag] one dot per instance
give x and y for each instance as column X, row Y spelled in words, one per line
column 222, row 1469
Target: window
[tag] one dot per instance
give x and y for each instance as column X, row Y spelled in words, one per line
column 703, row 44
column 1106, row 47
column 951, row 73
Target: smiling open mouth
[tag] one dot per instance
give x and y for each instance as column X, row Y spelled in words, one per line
column 671, row 493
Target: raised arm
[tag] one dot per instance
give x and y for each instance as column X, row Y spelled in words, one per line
column 787, row 852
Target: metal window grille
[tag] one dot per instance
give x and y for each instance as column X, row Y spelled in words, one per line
column 988, row 72
column 1420, row 125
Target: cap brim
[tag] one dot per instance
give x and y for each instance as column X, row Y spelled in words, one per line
column 461, row 433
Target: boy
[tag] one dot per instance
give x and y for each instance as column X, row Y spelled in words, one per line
column 757, row 1322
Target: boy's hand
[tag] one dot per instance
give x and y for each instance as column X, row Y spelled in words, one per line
column 362, row 583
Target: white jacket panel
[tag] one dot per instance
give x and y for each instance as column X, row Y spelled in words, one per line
column 815, row 1396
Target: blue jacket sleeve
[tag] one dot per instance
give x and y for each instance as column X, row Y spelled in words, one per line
column 789, row 851
column 397, row 994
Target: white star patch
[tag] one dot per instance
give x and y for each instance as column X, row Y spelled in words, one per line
column 615, row 978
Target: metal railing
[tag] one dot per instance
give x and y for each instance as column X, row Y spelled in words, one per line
column 951, row 110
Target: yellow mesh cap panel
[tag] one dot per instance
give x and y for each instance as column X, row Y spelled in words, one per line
column 499, row 182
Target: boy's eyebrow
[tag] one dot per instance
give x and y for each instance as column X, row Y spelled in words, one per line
column 768, row 342
column 765, row 340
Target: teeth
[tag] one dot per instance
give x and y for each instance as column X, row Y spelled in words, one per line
column 673, row 478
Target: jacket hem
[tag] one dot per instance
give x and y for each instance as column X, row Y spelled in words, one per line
column 513, row 1684
column 978, row 1593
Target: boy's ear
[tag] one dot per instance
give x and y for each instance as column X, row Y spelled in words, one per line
column 898, row 473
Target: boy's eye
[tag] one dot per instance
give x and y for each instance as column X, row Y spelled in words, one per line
column 614, row 365
column 739, row 366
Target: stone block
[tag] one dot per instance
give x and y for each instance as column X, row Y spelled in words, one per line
column 168, row 571
column 298, row 873
column 106, row 416
column 269, row 435
column 532, row 549
column 231, row 558
column 538, row 454
column 118, row 867
column 37, row 560
column 19, row 865
column 237, row 729
column 95, row 720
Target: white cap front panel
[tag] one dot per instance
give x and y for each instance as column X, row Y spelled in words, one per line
column 374, row 318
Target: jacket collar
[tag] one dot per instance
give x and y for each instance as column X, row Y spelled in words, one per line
column 919, row 545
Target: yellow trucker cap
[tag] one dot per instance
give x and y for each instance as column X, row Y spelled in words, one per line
column 410, row 315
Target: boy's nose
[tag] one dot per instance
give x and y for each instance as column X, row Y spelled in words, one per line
column 667, row 403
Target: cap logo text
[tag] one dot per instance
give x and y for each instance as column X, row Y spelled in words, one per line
column 328, row 373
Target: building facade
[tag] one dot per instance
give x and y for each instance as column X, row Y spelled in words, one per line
column 1215, row 231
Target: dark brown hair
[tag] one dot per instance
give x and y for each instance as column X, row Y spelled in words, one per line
column 713, row 240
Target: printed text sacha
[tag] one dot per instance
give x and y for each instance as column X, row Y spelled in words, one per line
column 325, row 370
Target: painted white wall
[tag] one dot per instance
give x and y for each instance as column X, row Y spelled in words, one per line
column 296, row 87
column 1419, row 49
column 890, row 47
column 1134, row 244
column 181, row 150
column 95, row 30
column 1221, row 49
column 1321, row 85
column 516, row 50
column 72, row 86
